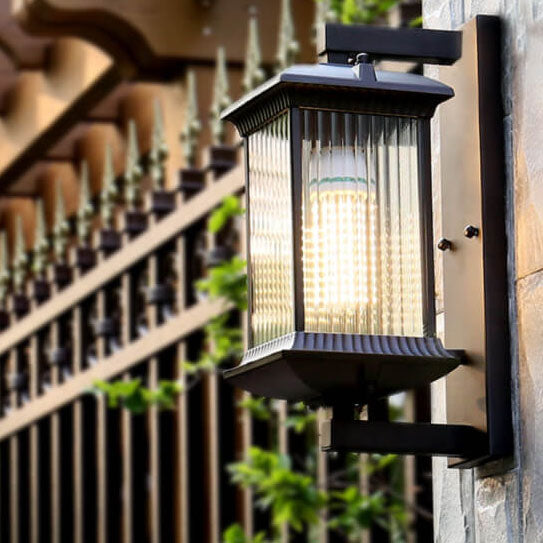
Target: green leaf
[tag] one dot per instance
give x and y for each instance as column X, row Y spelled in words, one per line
column 235, row 534
column 257, row 407
column 228, row 280
column 230, row 207
column 292, row 497
column 416, row 22
column 354, row 512
column 137, row 398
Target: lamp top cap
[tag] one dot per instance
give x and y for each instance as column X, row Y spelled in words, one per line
column 338, row 86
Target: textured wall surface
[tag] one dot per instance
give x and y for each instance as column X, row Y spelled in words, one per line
column 504, row 502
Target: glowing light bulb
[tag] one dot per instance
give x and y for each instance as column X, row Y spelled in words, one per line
column 361, row 240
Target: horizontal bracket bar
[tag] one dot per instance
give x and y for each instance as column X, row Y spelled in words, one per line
column 453, row 440
column 337, row 42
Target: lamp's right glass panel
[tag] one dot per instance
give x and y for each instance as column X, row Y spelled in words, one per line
column 361, row 242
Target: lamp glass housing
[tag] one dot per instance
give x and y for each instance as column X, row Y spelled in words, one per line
column 361, row 246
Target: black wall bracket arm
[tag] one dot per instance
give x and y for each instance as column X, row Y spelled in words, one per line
column 451, row 440
column 337, row 43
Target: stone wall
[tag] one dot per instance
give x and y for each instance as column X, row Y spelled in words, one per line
column 504, row 502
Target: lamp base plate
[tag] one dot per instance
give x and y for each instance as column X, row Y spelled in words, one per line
column 331, row 369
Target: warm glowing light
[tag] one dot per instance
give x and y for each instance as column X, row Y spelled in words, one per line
column 361, row 239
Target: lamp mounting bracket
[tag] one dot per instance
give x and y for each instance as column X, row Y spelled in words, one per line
column 337, row 43
column 450, row 440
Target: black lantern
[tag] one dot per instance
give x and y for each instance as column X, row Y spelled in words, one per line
column 340, row 259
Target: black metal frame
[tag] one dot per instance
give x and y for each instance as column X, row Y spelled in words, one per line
column 296, row 210
column 427, row 227
column 339, row 43
column 498, row 371
column 452, row 440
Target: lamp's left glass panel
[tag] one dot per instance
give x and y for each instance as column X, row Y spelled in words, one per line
column 270, row 231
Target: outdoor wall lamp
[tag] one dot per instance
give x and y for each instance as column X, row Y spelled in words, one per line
column 340, row 244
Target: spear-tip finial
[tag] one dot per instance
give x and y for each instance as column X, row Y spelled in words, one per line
column 133, row 171
column 221, row 99
column 41, row 243
column 288, row 47
column 20, row 257
column 109, row 193
column 192, row 127
column 159, row 149
column 85, row 211
column 61, row 229
column 254, row 74
column 5, row 275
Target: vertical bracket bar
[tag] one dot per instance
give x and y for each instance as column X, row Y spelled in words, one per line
column 474, row 271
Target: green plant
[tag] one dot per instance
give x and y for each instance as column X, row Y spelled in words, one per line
column 257, row 407
column 226, row 281
column 360, row 11
column 235, row 534
column 230, row 207
column 132, row 395
column 292, row 497
column 300, row 418
column 353, row 512
column 295, row 500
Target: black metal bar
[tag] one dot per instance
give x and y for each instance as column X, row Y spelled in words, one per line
column 248, row 243
column 494, row 236
column 296, row 192
column 451, row 440
column 338, row 43
column 426, row 225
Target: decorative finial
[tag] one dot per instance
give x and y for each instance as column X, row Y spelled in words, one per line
column 5, row 275
column 191, row 130
column 109, row 192
column 254, row 74
column 221, row 100
column 85, row 211
column 20, row 258
column 159, row 149
column 288, row 47
column 133, row 171
column 61, row 230
column 41, row 243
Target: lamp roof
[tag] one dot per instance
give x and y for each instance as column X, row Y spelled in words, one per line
column 341, row 87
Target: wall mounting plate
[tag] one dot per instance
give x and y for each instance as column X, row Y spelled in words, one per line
column 478, row 394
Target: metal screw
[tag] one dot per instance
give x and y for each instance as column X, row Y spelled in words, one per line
column 471, row 231
column 444, row 244
column 362, row 58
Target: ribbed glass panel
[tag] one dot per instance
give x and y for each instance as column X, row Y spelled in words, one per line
column 271, row 259
column 361, row 236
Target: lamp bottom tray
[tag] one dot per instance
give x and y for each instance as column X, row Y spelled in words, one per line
column 331, row 369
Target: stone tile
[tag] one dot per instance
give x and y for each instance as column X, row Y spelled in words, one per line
column 530, row 308
column 453, row 504
column 488, row 7
column 528, row 169
column 496, row 517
